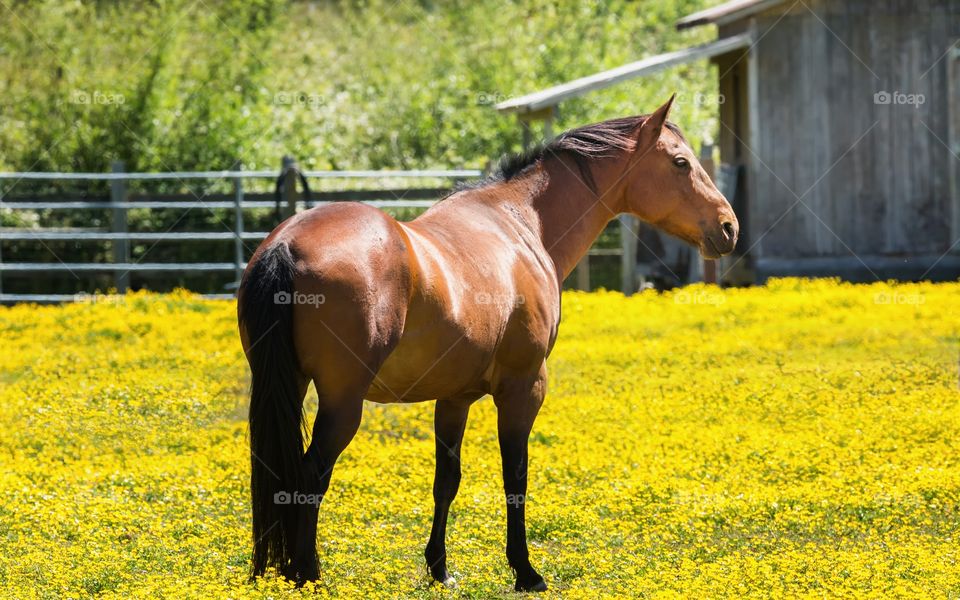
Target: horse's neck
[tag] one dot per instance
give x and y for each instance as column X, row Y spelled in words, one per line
column 571, row 214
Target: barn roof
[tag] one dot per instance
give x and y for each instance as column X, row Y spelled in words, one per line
column 726, row 12
column 539, row 104
column 537, row 101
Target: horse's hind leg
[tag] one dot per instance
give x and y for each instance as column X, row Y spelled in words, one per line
column 340, row 357
column 450, row 419
column 336, row 424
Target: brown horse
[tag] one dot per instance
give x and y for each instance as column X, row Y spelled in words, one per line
column 461, row 302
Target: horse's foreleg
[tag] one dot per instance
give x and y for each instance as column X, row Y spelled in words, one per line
column 518, row 401
column 336, row 424
column 450, row 419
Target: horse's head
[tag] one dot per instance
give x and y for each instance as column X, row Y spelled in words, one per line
column 667, row 187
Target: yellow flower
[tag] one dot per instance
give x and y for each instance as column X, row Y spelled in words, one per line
column 797, row 439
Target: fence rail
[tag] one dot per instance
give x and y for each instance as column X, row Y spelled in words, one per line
column 121, row 201
column 124, row 176
column 80, row 205
column 142, row 236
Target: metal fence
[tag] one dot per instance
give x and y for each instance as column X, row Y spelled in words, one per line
column 286, row 200
column 285, row 197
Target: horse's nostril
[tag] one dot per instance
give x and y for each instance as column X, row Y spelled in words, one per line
column 729, row 230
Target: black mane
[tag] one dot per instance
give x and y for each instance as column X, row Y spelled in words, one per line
column 590, row 142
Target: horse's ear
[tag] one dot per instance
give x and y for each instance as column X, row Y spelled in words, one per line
column 652, row 126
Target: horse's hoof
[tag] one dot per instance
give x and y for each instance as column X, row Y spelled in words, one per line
column 446, row 580
column 443, row 578
column 534, row 584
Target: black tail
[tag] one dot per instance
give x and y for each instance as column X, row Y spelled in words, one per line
column 276, row 406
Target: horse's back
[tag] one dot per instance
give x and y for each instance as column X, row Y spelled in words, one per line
column 423, row 310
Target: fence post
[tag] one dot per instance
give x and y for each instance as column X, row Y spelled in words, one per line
column 583, row 273
column 289, row 201
column 628, row 256
column 708, row 267
column 1, row 245
column 238, row 225
column 118, row 224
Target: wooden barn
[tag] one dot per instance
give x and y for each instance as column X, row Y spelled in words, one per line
column 839, row 133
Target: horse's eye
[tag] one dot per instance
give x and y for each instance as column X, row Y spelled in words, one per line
column 681, row 163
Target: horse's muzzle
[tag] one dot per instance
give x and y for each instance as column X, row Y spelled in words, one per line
column 722, row 241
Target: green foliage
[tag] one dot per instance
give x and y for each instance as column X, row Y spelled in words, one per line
column 167, row 85
column 174, row 84
column 153, row 85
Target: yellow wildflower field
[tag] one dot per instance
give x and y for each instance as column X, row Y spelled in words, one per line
column 797, row 439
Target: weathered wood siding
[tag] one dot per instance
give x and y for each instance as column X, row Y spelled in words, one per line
column 831, row 171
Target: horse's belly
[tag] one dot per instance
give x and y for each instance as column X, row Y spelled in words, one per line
column 427, row 365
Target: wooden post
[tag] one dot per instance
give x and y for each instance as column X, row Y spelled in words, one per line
column 527, row 139
column 745, row 270
column 583, row 273
column 710, row 270
column 548, row 125
column 953, row 137
column 628, row 254
column 289, row 201
column 1, row 245
column 527, row 120
column 118, row 224
column 238, row 226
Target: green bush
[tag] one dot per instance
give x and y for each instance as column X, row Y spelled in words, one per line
column 176, row 85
